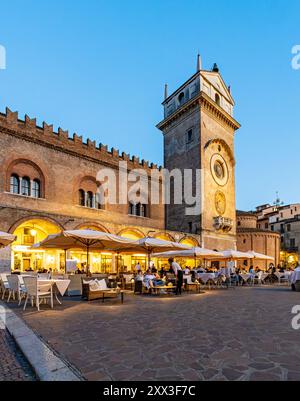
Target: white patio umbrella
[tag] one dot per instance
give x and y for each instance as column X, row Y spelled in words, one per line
column 6, row 239
column 236, row 255
column 149, row 245
column 85, row 239
column 195, row 253
column 260, row 256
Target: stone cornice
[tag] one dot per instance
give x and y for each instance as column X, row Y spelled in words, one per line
column 217, row 111
column 206, row 103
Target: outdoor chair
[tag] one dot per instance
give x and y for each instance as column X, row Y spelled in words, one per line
column 283, row 279
column 36, row 292
column 4, row 286
column 258, row 279
column 128, row 281
column 15, row 288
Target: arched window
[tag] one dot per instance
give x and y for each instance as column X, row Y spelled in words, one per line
column 14, row 184
column 25, row 186
column 139, row 209
column 217, row 99
column 90, row 199
column 81, row 197
column 36, row 189
column 181, row 98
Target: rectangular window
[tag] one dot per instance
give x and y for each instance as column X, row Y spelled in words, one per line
column 189, row 136
column 288, row 227
column 292, row 242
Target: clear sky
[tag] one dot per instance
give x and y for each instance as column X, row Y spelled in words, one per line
column 98, row 68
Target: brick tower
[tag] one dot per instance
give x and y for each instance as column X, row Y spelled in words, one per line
column 198, row 129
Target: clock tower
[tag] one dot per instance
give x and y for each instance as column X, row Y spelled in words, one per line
column 199, row 129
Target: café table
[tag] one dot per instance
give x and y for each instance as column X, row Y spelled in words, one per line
column 59, row 287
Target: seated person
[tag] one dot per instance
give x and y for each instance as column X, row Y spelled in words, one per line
column 153, row 270
column 139, row 276
column 187, row 270
column 148, row 279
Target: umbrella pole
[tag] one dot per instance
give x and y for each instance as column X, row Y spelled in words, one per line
column 149, row 259
column 65, row 261
column 87, row 260
column 117, row 264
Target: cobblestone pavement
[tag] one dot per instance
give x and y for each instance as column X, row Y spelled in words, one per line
column 241, row 334
column 13, row 366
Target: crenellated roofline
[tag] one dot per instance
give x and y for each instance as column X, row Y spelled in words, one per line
column 27, row 129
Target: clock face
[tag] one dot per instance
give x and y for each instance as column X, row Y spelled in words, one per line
column 219, row 170
column 220, row 203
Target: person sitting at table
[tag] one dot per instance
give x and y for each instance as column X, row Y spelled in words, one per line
column 187, row 270
column 201, row 270
column 153, row 269
column 148, row 279
column 251, row 270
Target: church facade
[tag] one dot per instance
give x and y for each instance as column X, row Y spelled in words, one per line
column 49, row 179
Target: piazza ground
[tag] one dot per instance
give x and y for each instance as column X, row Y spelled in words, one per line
column 13, row 365
column 240, row 334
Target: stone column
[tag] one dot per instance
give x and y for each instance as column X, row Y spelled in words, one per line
column 20, row 185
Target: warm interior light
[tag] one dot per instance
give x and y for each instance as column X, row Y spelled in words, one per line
column 33, row 232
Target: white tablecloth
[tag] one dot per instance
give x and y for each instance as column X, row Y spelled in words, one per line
column 206, row 276
column 61, row 285
column 246, row 276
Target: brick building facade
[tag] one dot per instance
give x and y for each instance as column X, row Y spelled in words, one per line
column 49, row 179
column 48, row 184
column 250, row 237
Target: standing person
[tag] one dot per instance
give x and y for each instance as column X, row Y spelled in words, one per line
column 179, row 275
column 295, row 277
column 138, row 268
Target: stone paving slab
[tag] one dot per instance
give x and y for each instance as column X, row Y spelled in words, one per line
column 241, row 334
column 47, row 366
column 13, row 366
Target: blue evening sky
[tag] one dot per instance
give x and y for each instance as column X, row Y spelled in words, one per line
column 98, row 68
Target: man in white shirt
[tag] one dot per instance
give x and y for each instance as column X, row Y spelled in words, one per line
column 179, row 275
column 176, row 268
